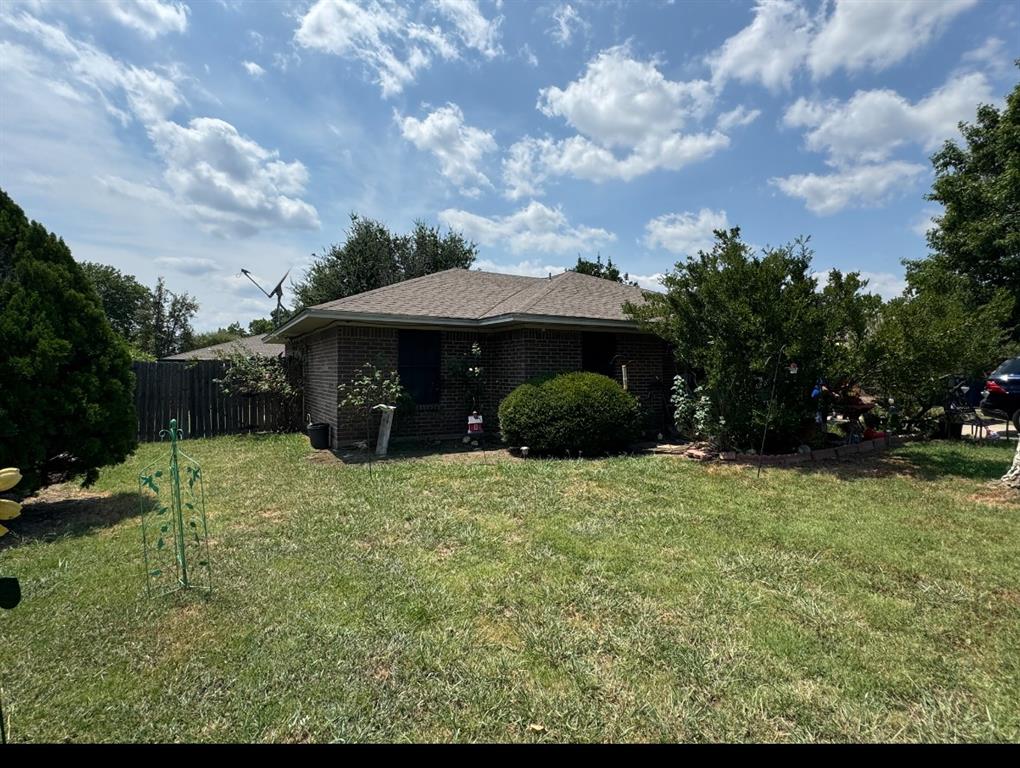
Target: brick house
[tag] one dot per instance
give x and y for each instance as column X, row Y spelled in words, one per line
column 526, row 326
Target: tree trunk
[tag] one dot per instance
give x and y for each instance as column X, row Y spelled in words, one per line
column 1012, row 478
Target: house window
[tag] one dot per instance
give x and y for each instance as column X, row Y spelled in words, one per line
column 418, row 358
column 597, row 352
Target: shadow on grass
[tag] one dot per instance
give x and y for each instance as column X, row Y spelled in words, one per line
column 447, row 450
column 62, row 512
column 925, row 461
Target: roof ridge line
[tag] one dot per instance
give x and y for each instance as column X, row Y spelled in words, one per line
column 542, row 294
column 387, row 287
column 506, row 298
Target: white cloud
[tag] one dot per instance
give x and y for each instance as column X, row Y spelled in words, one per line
column 534, row 228
column 737, row 117
column 618, row 103
column 869, row 35
column 651, row 282
column 924, row 221
column 567, row 21
column 394, row 49
column 769, row 49
column 685, row 233
column 188, row 265
column 435, row 38
column 783, row 37
column 528, row 55
column 885, row 284
column 860, row 135
column 253, row 69
column 226, row 181
column 527, row 268
column 230, row 182
column 872, row 124
column 106, row 198
column 992, row 55
column 536, row 268
column 123, row 90
column 531, row 162
column 151, row 18
column 458, row 147
column 860, row 186
column 371, row 34
column 474, row 29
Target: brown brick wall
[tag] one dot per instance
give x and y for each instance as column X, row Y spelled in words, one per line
column 355, row 347
column 318, row 352
column 649, row 374
column 509, row 357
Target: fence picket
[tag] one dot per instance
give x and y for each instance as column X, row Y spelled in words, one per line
column 187, row 392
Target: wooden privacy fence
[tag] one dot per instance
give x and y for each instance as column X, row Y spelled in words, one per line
column 186, row 391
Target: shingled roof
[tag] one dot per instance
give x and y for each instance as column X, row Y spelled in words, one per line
column 252, row 345
column 462, row 297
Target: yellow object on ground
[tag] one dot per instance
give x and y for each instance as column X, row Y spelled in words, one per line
column 9, row 478
column 9, row 509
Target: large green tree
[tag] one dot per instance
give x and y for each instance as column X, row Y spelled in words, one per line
column 66, row 387
column 936, row 329
column 371, row 257
column 232, row 332
column 850, row 315
column 165, row 322
column 735, row 319
column 124, row 298
column 426, row 250
column 977, row 182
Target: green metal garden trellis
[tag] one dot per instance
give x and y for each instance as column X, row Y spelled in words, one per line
column 175, row 537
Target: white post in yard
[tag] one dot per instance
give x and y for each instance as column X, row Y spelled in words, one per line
column 1012, row 477
column 385, row 424
column 623, row 371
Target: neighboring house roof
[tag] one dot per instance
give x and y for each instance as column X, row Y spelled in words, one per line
column 252, row 345
column 461, row 297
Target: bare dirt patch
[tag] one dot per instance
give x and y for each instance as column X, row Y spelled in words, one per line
column 69, row 510
column 996, row 495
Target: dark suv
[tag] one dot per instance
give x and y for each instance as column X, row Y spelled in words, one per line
column 1002, row 391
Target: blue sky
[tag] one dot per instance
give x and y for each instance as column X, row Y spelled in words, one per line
column 192, row 139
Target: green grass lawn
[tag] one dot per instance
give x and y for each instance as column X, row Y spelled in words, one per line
column 640, row 598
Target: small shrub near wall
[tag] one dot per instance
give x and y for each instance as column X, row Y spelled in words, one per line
column 572, row 412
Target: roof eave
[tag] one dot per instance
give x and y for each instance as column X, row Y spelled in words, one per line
column 312, row 320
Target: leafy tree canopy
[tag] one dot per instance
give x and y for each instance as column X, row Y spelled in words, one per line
column 977, row 237
column 260, row 326
column 166, row 322
column 371, row 256
column 607, row 271
column 932, row 332
column 66, row 399
column 736, row 321
column 232, row 332
column 123, row 298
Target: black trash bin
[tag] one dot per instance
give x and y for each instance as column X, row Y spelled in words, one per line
column 319, row 435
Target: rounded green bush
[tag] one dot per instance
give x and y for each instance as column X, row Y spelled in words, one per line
column 572, row 412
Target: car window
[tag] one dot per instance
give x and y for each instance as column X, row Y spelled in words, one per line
column 1010, row 366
